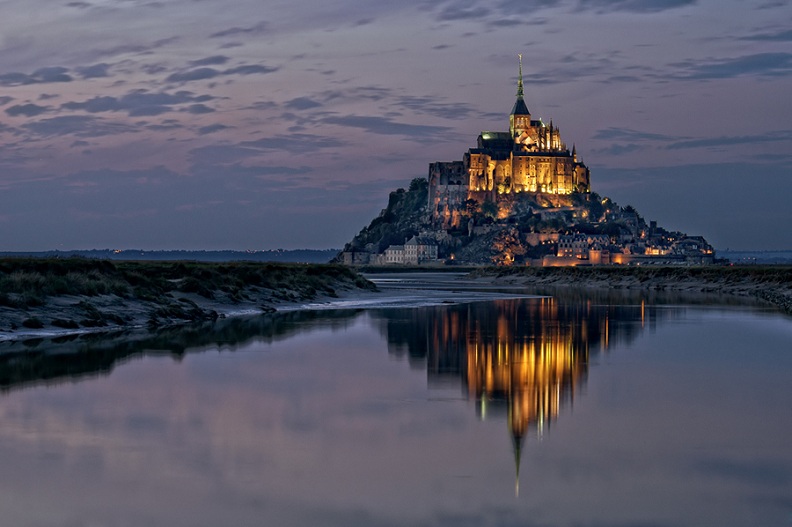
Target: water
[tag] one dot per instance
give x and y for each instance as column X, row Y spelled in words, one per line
column 570, row 411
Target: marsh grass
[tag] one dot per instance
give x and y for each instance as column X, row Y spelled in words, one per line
column 731, row 275
column 27, row 282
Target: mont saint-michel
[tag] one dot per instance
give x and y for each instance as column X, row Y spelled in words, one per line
column 520, row 197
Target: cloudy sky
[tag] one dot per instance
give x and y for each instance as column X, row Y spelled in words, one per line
column 259, row 124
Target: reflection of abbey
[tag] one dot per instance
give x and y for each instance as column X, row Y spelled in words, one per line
column 519, row 359
column 530, row 157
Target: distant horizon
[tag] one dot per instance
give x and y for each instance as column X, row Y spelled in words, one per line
column 719, row 250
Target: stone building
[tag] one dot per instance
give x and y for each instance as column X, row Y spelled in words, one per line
column 415, row 251
column 394, row 254
column 530, row 157
column 418, row 250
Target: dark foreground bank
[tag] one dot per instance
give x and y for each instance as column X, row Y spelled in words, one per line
column 770, row 283
column 73, row 294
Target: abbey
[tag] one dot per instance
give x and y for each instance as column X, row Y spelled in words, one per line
column 530, row 157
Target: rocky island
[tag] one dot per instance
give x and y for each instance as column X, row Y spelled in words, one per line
column 519, row 197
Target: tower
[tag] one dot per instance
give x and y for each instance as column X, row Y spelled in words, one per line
column 520, row 117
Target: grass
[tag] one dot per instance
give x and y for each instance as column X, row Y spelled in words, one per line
column 28, row 282
column 781, row 275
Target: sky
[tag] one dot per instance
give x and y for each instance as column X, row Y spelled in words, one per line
column 264, row 124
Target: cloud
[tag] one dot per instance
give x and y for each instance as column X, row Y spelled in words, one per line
column 626, row 134
column 234, row 31
column 198, row 109
column 773, row 4
column 431, row 106
column 508, row 13
column 778, row 36
column 769, row 137
column 94, row 72
column 28, row 110
column 78, row 125
column 759, row 64
column 249, row 70
column 509, row 7
column 385, row 126
column 574, row 67
column 462, row 11
column 302, row 103
column 297, row 143
column 634, row 6
column 193, row 75
column 218, row 154
column 618, row 149
column 5, row 99
column 214, row 60
column 212, row 128
column 40, row 76
column 96, row 105
column 142, row 103
column 506, row 22
column 136, row 49
column 369, row 93
column 166, row 124
column 210, row 73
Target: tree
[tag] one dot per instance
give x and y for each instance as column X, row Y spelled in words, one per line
column 419, row 183
column 490, row 209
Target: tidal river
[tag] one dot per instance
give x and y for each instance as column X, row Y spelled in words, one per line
column 453, row 408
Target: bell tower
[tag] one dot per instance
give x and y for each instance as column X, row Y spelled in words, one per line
column 520, row 117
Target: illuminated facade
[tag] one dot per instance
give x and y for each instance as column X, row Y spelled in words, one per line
column 530, row 157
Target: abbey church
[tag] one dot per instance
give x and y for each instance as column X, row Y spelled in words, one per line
column 530, row 157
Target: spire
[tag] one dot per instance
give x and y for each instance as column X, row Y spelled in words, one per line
column 519, row 107
column 517, row 443
column 520, row 92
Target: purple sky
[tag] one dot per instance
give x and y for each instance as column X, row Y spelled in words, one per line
column 207, row 124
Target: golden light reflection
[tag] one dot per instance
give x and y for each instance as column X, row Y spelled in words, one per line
column 520, row 360
column 533, row 373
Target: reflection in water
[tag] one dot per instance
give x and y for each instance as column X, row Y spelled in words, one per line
column 50, row 361
column 527, row 357
column 310, row 422
column 522, row 358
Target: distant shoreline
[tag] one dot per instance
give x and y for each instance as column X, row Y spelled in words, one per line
column 769, row 283
column 268, row 255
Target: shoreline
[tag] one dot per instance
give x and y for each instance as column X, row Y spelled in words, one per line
column 408, row 295
column 41, row 298
column 349, row 290
column 771, row 284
